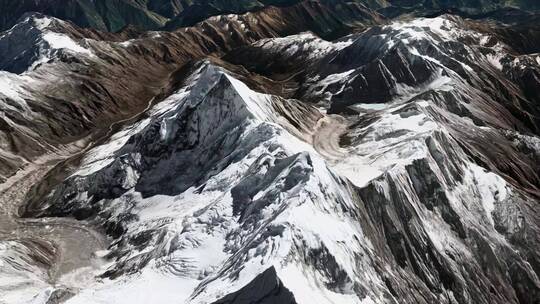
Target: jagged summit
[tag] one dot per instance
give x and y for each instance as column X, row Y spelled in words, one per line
column 36, row 39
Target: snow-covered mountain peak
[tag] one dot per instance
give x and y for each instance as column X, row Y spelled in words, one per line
column 428, row 36
column 216, row 103
column 35, row 40
column 443, row 28
column 33, row 20
column 304, row 45
column 213, row 172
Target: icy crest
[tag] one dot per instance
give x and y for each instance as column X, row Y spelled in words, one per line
column 304, row 44
column 37, row 40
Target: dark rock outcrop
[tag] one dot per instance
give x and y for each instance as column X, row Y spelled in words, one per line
column 266, row 288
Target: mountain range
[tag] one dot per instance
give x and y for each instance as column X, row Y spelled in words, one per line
column 115, row 15
column 269, row 152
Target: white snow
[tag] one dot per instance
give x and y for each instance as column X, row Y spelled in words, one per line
column 20, row 280
column 426, row 28
column 371, row 106
column 55, row 41
column 61, row 41
column 306, row 290
column 45, row 40
column 151, row 286
column 495, row 60
column 320, row 86
column 10, row 86
column 492, row 188
column 393, row 141
column 257, row 104
column 302, row 44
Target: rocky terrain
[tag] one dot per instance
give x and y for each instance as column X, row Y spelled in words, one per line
column 117, row 15
column 308, row 152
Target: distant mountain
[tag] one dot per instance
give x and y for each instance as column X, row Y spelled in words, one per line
column 472, row 5
column 113, row 15
column 109, row 15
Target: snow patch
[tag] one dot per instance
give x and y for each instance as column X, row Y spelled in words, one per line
column 495, row 60
column 10, row 87
column 61, row 41
column 371, row 106
column 302, row 44
column 492, row 188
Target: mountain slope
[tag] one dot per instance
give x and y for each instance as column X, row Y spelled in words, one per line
column 468, row 73
column 419, row 215
column 245, row 159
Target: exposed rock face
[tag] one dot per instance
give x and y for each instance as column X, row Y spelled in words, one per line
column 265, row 288
column 397, row 164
